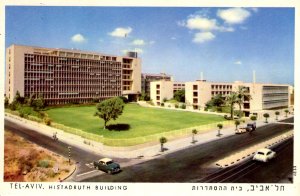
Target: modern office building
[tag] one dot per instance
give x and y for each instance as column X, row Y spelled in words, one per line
column 262, row 96
column 148, row 77
column 64, row 76
column 199, row 92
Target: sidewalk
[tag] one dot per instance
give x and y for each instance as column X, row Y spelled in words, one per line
column 140, row 152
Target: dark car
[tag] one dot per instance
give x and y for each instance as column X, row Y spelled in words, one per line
column 251, row 126
column 107, row 165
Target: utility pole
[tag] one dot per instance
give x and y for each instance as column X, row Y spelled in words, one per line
column 69, row 150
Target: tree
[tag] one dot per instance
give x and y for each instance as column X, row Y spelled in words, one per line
column 109, row 109
column 277, row 113
column 162, row 140
column 253, row 118
column 266, row 115
column 18, row 99
column 220, row 126
column 38, row 103
column 6, row 102
column 231, row 99
column 180, row 95
column 286, row 112
column 237, row 123
column 242, row 93
column 194, row 132
column 145, row 97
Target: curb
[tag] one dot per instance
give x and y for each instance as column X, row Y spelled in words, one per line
column 69, row 174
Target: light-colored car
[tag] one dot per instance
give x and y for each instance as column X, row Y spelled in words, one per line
column 264, row 155
column 241, row 130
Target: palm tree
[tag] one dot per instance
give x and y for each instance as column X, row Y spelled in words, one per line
column 266, row 115
column 286, row 112
column 277, row 113
column 220, row 126
column 162, row 140
column 231, row 99
column 237, row 123
column 194, row 132
column 242, row 93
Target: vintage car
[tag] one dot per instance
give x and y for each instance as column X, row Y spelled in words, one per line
column 264, row 155
column 107, row 165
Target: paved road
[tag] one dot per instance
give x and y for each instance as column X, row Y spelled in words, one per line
column 181, row 166
column 258, row 172
column 192, row 163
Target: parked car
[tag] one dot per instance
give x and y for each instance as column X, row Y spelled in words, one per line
column 107, row 165
column 264, row 155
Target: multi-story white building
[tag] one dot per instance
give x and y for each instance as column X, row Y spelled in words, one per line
column 63, row 76
column 262, row 96
column 198, row 93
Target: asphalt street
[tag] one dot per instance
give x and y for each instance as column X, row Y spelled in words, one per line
column 192, row 163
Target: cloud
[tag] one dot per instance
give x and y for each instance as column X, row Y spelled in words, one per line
column 138, row 42
column 200, row 23
column 233, row 15
column 121, row 32
column 78, row 38
column 203, row 37
column 173, row 38
column 238, row 62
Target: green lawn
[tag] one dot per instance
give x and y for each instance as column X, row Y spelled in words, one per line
column 134, row 122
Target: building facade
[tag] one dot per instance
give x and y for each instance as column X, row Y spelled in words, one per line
column 198, row 93
column 261, row 97
column 147, row 78
column 67, row 76
column 178, row 86
column 161, row 90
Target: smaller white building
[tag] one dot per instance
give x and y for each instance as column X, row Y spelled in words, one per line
column 160, row 90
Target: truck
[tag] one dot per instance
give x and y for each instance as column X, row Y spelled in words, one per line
column 249, row 128
column 107, row 165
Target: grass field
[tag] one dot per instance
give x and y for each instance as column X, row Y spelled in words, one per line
column 134, row 122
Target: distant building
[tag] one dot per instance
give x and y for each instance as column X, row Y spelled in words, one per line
column 147, row 78
column 64, row 76
column 263, row 96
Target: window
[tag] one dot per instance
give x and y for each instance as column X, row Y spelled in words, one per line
column 195, row 87
column 195, row 94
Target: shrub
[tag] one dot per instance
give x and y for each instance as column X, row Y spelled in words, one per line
column 50, row 173
column 162, row 104
column 47, row 121
column 183, row 106
column 165, row 99
column 125, row 100
column 43, row 163
column 176, row 105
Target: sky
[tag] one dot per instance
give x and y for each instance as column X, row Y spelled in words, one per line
column 226, row 44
